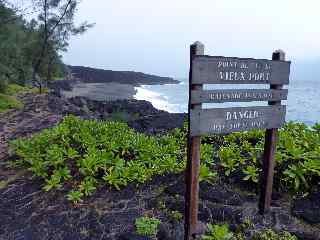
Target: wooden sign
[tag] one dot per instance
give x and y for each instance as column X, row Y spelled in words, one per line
column 230, row 70
column 227, row 120
column 237, row 95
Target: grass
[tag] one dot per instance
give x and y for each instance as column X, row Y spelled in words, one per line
column 9, row 102
column 14, row 89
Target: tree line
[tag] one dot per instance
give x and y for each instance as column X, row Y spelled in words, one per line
column 31, row 46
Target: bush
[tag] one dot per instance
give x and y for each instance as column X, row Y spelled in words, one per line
column 146, row 226
column 8, row 102
column 222, row 232
column 297, row 157
column 89, row 152
column 86, row 153
column 218, row 232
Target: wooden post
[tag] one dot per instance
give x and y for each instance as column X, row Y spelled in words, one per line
column 193, row 162
column 271, row 137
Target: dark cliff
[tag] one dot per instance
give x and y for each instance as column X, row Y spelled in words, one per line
column 94, row 75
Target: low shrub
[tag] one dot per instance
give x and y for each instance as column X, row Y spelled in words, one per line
column 297, row 157
column 218, row 232
column 222, row 232
column 87, row 153
column 146, row 226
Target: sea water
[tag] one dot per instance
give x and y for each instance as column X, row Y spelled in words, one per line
column 303, row 104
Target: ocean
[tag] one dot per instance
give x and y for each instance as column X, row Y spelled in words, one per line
column 303, row 104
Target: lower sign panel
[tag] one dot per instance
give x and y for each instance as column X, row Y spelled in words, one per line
column 227, row 120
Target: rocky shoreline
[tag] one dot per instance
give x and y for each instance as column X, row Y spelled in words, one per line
column 104, row 85
column 29, row 213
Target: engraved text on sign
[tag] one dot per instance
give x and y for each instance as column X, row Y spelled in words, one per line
column 237, row 95
column 227, row 120
column 227, row 70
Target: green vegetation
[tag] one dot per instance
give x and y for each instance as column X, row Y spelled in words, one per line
column 176, row 216
column 218, row 232
column 82, row 155
column 20, row 46
column 31, row 49
column 222, row 232
column 146, row 226
column 8, row 102
column 271, row 235
column 75, row 196
column 297, row 157
column 8, row 99
column 206, row 174
column 14, row 89
column 86, row 154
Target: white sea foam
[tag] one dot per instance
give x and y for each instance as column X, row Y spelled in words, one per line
column 158, row 100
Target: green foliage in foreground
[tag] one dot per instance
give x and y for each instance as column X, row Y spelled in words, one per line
column 146, row 226
column 222, row 232
column 9, row 102
column 85, row 154
column 218, row 232
column 88, row 153
column 297, row 156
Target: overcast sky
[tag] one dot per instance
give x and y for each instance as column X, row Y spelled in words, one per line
column 153, row 36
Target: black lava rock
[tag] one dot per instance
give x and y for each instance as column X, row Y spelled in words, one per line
column 308, row 208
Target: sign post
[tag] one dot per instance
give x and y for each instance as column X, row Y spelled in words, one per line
column 269, row 150
column 193, row 162
column 230, row 70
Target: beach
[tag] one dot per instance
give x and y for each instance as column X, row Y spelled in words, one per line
column 101, row 91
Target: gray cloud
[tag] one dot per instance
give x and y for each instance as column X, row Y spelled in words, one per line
column 154, row 36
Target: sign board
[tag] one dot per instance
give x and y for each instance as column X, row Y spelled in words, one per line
column 231, row 70
column 227, row 120
column 237, row 95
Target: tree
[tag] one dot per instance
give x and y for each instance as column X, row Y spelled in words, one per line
column 31, row 49
column 14, row 66
column 19, row 40
column 56, row 25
